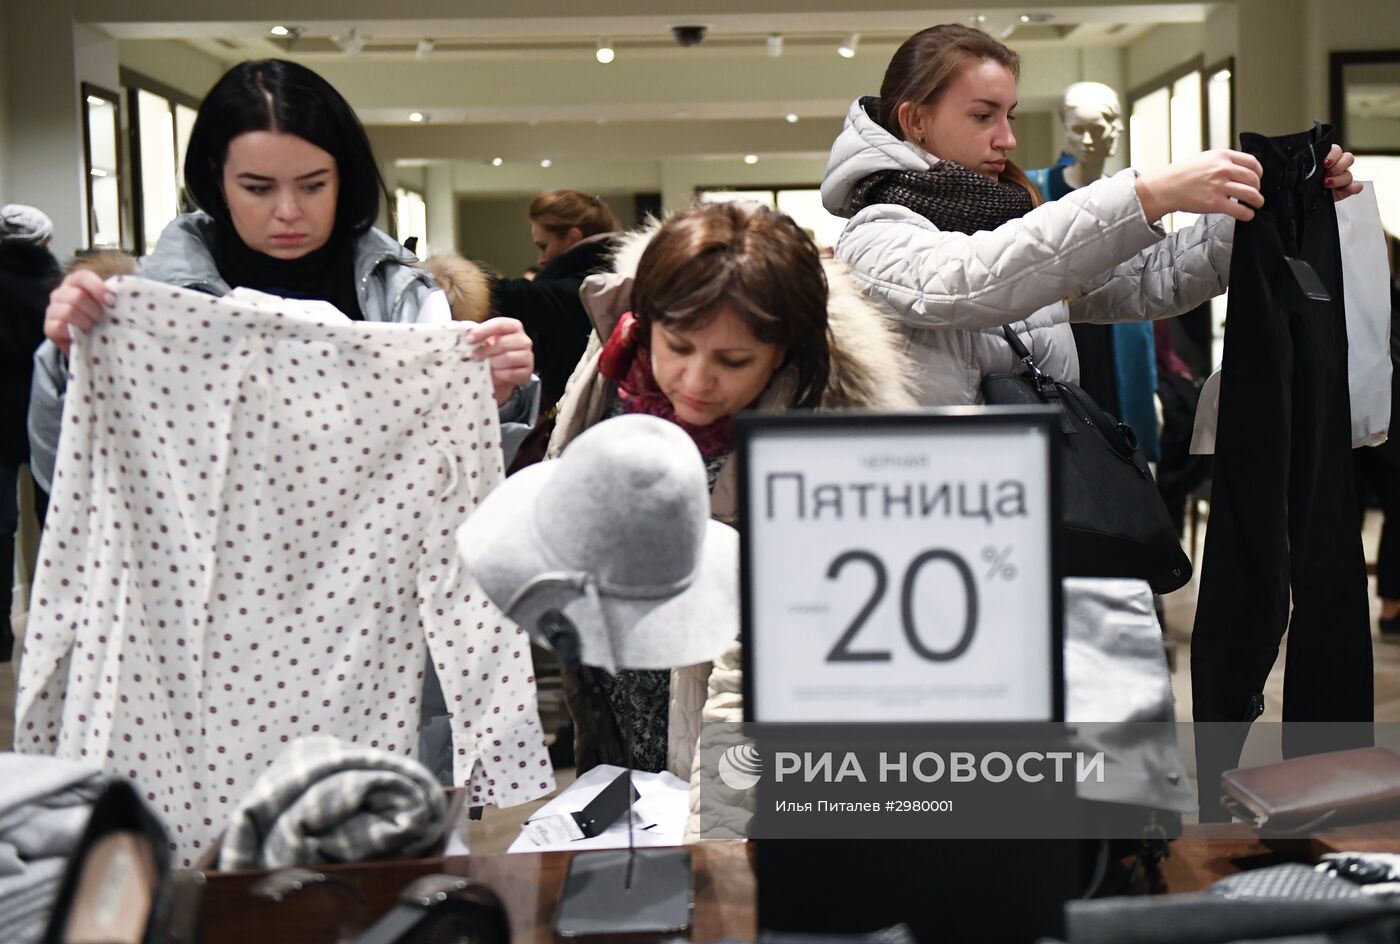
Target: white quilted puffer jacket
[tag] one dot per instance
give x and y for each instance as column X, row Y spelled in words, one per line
column 952, row 292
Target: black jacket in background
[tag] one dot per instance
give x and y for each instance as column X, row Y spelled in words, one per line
column 551, row 312
column 27, row 274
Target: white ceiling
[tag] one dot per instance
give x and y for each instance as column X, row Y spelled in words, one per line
column 506, row 75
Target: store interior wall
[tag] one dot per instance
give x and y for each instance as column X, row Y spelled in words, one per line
column 172, row 63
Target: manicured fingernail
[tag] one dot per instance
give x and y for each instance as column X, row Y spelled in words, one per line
column 1327, row 182
column 1327, row 163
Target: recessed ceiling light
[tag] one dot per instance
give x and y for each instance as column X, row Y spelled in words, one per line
column 280, row 31
column 847, row 49
column 792, row 117
column 424, row 50
column 605, row 53
column 496, row 162
column 750, row 158
column 546, row 163
column 775, row 45
column 415, row 116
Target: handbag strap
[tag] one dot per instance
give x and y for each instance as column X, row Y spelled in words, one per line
column 1023, row 354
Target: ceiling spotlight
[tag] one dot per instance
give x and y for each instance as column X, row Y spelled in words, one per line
column 496, row 162
column 605, row 53
column 1040, row 17
column 424, row 50
column 750, row 158
column 775, row 45
column 352, row 43
column 981, row 18
column 792, row 117
column 546, row 163
column 280, row 31
column 847, row 49
column 1025, row 17
column 415, row 116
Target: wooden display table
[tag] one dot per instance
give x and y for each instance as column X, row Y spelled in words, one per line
column 530, row 884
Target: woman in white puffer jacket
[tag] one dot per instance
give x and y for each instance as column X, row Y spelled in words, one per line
column 946, row 232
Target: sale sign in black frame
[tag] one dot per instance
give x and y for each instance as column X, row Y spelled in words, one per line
column 900, row 567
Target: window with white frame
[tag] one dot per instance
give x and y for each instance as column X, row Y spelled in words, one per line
column 102, row 136
column 1172, row 118
column 803, row 204
column 161, row 121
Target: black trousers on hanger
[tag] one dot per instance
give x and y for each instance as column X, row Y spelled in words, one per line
column 1283, row 499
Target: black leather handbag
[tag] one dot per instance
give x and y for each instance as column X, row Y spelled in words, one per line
column 1113, row 522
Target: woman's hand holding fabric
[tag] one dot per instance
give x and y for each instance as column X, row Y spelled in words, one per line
column 505, row 344
column 1338, row 169
column 79, row 300
column 1219, row 181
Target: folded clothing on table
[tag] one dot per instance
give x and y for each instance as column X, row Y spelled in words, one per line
column 323, row 800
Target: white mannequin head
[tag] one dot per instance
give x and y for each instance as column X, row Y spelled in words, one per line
column 1093, row 122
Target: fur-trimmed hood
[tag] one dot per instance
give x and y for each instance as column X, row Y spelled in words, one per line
column 468, row 288
column 869, row 369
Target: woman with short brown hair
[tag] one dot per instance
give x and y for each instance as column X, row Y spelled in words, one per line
column 575, row 234
column 561, row 219
column 724, row 308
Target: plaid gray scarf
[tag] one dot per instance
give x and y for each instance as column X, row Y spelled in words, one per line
column 948, row 195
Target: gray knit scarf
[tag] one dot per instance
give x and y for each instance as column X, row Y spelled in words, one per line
column 948, row 195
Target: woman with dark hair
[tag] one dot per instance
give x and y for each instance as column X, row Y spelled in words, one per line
column 288, row 190
column 726, row 307
column 575, row 234
column 949, row 234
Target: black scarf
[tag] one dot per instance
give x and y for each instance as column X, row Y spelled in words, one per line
column 326, row 274
column 948, row 195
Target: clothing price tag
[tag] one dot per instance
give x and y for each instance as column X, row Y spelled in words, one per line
column 900, row 568
column 550, row 830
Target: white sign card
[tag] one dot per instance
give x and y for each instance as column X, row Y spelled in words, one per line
column 900, row 568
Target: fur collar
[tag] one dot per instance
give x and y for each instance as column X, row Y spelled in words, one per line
column 869, row 369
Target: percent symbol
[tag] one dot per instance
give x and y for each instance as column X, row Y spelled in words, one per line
column 1000, row 561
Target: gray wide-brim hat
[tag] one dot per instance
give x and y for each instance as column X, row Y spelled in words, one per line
column 617, row 535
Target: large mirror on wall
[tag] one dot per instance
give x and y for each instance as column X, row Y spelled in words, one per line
column 1366, row 100
column 1365, row 104
column 102, row 142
